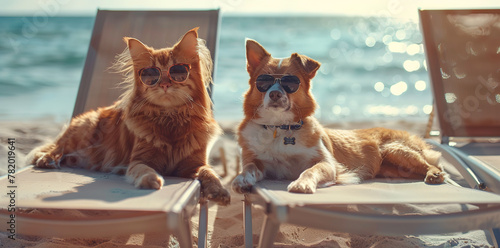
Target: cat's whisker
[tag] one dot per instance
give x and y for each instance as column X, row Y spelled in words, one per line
column 188, row 99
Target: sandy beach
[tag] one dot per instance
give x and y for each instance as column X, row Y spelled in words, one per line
column 225, row 223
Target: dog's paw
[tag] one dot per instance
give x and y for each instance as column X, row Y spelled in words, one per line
column 302, row 186
column 45, row 161
column 434, row 176
column 149, row 181
column 217, row 194
column 243, row 184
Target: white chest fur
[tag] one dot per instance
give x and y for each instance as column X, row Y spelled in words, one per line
column 280, row 161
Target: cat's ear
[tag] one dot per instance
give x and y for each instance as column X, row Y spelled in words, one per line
column 189, row 43
column 138, row 50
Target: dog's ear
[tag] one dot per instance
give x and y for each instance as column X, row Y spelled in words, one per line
column 310, row 65
column 255, row 54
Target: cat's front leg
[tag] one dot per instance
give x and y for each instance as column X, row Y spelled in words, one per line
column 45, row 157
column 196, row 167
column 211, row 186
column 143, row 176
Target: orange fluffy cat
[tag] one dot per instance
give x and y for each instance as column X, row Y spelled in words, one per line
column 161, row 126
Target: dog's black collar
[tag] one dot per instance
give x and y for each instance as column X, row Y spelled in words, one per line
column 285, row 127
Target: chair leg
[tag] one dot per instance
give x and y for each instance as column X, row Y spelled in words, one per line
column 247, row 223
column 268, row 233
column 495, row 236
column 203, row 228
column 183, row 234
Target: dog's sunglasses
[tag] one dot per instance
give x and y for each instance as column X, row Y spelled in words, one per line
column 178, row 73
column 289, row 83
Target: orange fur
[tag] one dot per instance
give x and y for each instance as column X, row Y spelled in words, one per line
column 152, row 132
column 320, row 156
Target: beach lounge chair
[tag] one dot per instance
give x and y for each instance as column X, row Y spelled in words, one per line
column 463, row 55
column 111, row 205
column 360, row 209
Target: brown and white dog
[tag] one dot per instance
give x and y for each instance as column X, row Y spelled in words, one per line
column 280, row 138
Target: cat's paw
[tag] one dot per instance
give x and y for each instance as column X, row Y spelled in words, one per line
column 302, row 186
column 149, row 181
column 435, row 176
column 44, row 160
column 216, row 193
column 243, row 183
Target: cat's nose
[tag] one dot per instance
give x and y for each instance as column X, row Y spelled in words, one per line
column 165, row 86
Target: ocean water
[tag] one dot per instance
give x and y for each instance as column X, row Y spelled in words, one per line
column 372, row 68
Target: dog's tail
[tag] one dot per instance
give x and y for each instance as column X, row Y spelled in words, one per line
column 348, row 177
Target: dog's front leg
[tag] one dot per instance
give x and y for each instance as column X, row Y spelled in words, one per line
column 244, row 182
column 321, row 173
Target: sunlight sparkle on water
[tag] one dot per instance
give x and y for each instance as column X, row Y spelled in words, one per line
column 387, row 58
column 389, row 110
column 387, row 39
column 379, row 86
column 339, row 110
column 401, row 34
column 420, row 85
column 397, row 47
column 427, row 109
column 413, row 49
column 411, row 65
column 399, row 88
column 370, row 41
column 336, row 110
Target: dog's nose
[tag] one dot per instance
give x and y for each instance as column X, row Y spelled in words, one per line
column 275, row 95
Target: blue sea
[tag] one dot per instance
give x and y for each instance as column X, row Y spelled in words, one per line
column 372, row 68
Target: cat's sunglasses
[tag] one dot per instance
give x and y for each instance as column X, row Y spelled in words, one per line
column 178, row 73
column 290, row 83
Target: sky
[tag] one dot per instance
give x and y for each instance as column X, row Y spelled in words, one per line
column 393, row 8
